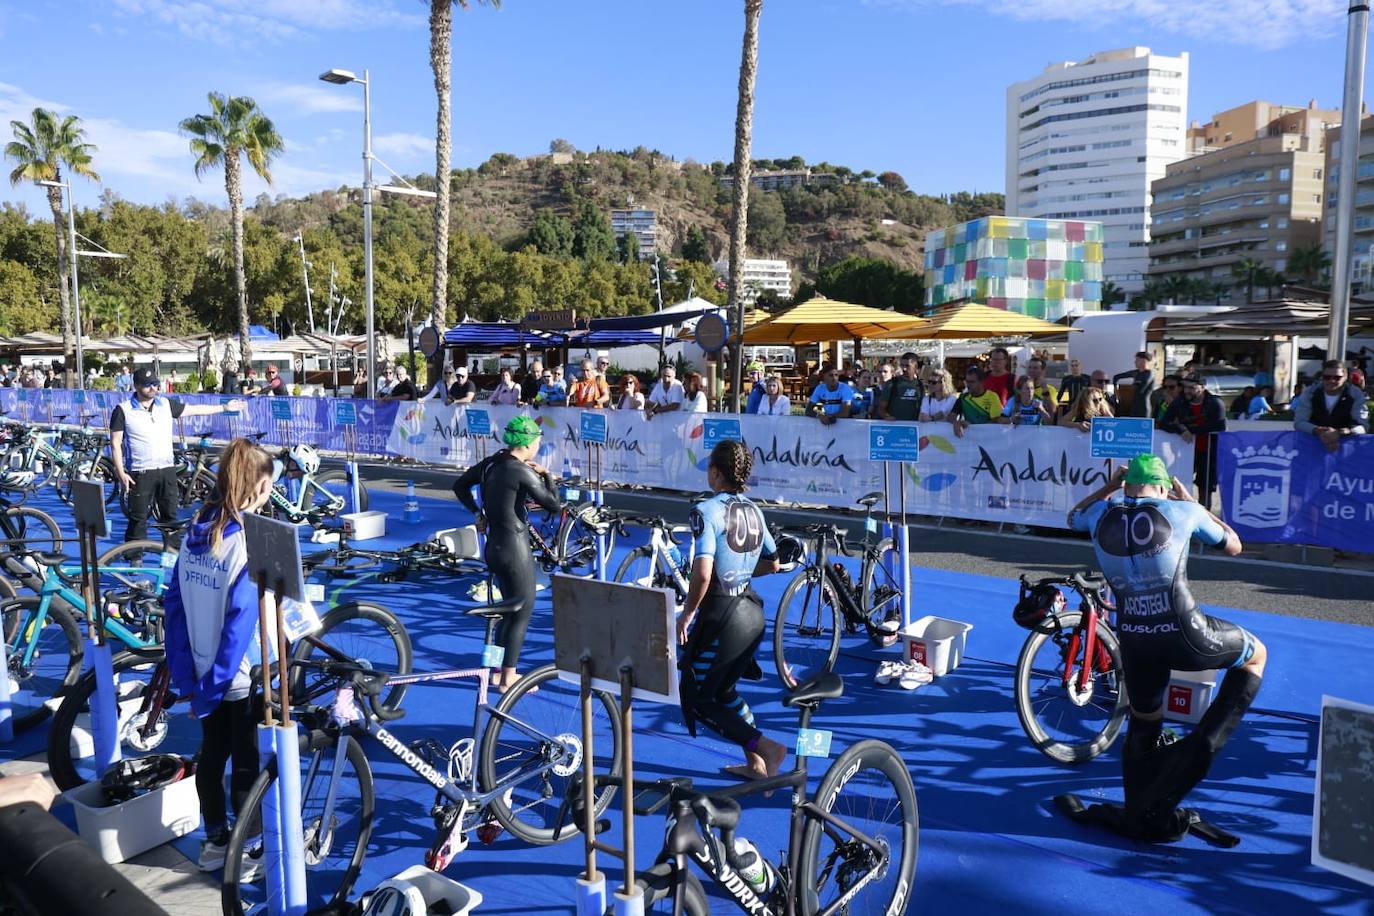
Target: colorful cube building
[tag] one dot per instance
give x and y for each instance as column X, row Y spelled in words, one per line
column 1046, row 268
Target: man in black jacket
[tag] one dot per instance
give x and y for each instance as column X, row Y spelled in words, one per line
column 1197, row 416
column 1332, row 410
column 1142, row 379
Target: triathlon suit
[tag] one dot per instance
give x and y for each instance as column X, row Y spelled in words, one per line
column 507, row 483
column 729, row 528
column 1142, row 548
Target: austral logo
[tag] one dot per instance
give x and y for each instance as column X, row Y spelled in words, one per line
column 1060, row 473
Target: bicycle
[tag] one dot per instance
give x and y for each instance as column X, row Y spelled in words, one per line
column 659, row 563
column 344, row 559
column 302, row 492
column 831, row 865
column 85, row 460
column 511, row 779
column 357, row 632
column 1070, row 691
column 567, row 540
column 806, row 632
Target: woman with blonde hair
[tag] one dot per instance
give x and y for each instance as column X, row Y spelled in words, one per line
column 211, row 628
column 1092, row 402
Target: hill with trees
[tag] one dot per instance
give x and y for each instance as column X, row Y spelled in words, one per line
column 525, row 234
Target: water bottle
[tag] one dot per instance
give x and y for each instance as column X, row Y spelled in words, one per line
column 412, row 505
column 675, row 555
column 756, row 871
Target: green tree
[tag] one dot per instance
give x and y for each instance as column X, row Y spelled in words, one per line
column 892, row 181
column 1311, row 263
column 739, row 204
column 561, row 146
column 1112, row 294
column 767, row 223
column 694, row 278
column 873, row 282
column 1246, row 274
column 551, row 234
column 627, row 248
column 39, row 150
column 235, row 127
column 593, row 239
column 25, row 308
column 696, row 247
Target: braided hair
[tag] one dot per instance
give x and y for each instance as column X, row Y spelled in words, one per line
column 734, row 462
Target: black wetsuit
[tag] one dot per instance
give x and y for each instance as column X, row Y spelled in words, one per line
column 507, row 484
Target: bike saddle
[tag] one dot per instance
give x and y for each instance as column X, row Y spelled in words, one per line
column 49, row 559
column 497, row 610
column 258, row 436
column 716, row 811
column 809, row 694
column 869, row 500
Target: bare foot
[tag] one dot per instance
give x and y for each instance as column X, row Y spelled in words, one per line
column 767, row 760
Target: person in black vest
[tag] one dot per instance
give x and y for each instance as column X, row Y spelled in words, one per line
column 1197, row 417
column 1332, row 410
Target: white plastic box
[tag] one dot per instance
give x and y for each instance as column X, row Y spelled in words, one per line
column 458, row 899
column 363, row 526
column 1189, row 695
column 936, row 642
column 120, row 832
column 461, row 542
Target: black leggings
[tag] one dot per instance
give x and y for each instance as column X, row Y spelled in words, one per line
column 720, row 652
column 512, row 566
column 229, row 732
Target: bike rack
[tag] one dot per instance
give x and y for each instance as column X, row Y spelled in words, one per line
column 88, row 505
column 902, row 534
column 595, row 454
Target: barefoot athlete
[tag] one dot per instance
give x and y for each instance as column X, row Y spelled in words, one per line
column 508, row 479
column 1141, row 542
column 733, row 545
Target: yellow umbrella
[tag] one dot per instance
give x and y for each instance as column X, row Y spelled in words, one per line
column 973, row 320
column 822, row 319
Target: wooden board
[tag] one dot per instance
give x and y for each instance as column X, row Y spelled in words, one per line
column 616, row 624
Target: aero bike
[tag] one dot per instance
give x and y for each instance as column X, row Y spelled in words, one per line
column 512, row 770
column 851, row 846
column 822, row 600
column 1070, row 691
column 661, row 563
column 152, row 717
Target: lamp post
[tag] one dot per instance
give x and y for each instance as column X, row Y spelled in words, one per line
column 1356, row 38
column 76, row 286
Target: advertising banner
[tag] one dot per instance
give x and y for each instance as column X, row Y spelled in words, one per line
column 1285, row 487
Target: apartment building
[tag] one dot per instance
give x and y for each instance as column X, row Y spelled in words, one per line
column 1362, row 235
column 643, row 223
column 1086, row 138
column 783, row 179
column 1257, row 199
column 761, row 274
column 1261, row 119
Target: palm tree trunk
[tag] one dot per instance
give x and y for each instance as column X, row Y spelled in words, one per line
column 441, row 62
column 233, row 184
column 739, row 217
column 63, row 280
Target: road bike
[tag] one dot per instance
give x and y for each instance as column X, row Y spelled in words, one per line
column 36, row 458
column 512, row 770
column 303, row 492
column 345, row 559
column 151, row 715
column 661, row 562
column 85, row 457
column 822, row 601
column 567, row 540
column 852, row 844
column 1070, row 690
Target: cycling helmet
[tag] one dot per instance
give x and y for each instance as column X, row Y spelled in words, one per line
column 305, row 457
column 396, row 897
column 790, row 551
column 1037, row 602
column 137, row 776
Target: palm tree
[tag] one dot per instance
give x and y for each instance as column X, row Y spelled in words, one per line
column 39, row 150
column 441, row 62
column 1112, row 294
column 1247, row 274
column 739, row 217
column 235, row 127
column 1311, row 262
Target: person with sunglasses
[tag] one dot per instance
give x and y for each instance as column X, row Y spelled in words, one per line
column 1197, row 416
column 1163, row 396
column 938, row 404
column 1333, row 410
column 1092, row 402
column 977, row 405
column 386, row 381
column 141, row 440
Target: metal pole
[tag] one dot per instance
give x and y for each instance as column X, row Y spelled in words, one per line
column 305, row 272
column 367, row 232
column 1355, row 43
column 76, row 287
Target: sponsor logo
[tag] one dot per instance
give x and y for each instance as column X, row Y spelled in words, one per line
column 411, row 759
column 1259, row 490
column 1061, row 473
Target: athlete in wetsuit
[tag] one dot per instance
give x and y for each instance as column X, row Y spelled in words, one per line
column 508, row 480
column 1142, row 542
column 733, row 545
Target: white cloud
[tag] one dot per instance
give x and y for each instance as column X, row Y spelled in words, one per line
column 309, row 99
column 1265, row 24
column 241, row 22
column 403, row 146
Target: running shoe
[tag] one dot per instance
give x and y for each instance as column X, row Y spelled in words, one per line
column 914, row 674
column 251, row 869
column 887, row 671
column 212, row 852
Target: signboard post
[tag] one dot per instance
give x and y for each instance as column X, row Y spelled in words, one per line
column 1121, row 437
column 899, row 443
column 346, row 417
column 88, row 506
column 592, row 431
column 719, row 429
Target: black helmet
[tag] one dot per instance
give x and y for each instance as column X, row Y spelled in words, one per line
column 790, row 550
column 137, row 776
column 1037, row 602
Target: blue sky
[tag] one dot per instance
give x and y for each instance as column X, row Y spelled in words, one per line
column 912, row 85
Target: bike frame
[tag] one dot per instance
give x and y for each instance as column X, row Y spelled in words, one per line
column 54, row 588
column 1085, row 634
column 660, row 538
column 295, row 509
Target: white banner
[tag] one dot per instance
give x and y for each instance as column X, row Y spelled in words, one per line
column 1028, row 475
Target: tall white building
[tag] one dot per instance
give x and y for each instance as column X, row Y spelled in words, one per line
column 1085, row 139
column 643, row 223
column 761, row 274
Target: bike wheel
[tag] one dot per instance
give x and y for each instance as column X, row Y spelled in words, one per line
column 869, row 788
column 334, row 852
column 101, row 471
column 37, row 528
column 640, row 567
column 657, row 884
column 335, row 482
column 806, row 628
column 881, row 594
column 365, row 633
column 163, row 730
column 576, row 540
column 1062, row 723
column 544, row 704
column 142, row 567
column 44, row 662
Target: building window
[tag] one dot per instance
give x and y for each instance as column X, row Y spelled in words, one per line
column 1316, row 198
column 1283, row 198
column 1280, row 246
column 1264, row 224
column 1280, row 264
column 1282, row 223
column 1317, row 174
column 1285, row 174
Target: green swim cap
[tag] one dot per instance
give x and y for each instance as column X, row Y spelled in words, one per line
column 521, row 431
column 1148, row 469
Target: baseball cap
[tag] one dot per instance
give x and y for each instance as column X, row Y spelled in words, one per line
column 756, row 366
column 1193, row 378
column 145, row 377
column 1148, row 470
column 462, row 370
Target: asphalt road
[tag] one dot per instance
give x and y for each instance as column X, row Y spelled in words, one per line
column 1254, row 581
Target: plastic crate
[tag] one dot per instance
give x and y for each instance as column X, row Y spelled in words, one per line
column 363, row 526
column 461, row 542
column 442, row 895
column 1189, row 695
column 120, row 832
column 936, row 642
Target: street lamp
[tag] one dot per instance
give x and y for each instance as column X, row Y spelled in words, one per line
column 76, row 287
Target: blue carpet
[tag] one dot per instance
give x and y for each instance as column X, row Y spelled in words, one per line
column 989, row 841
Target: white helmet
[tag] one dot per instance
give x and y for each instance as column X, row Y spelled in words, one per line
column 305, row 457
column 396, row 897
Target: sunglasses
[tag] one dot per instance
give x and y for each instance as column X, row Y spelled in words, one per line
column 1099, row 381
column 1333, row 378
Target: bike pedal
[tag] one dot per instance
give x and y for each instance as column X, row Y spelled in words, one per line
column 488, row 832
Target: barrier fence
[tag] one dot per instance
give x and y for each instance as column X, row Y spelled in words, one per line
column 1276, row 486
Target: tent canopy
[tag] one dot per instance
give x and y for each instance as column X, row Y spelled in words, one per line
column 973, row 320
column 645, row 322
column 821, row 319
column 477, row 335
column 259, row 332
